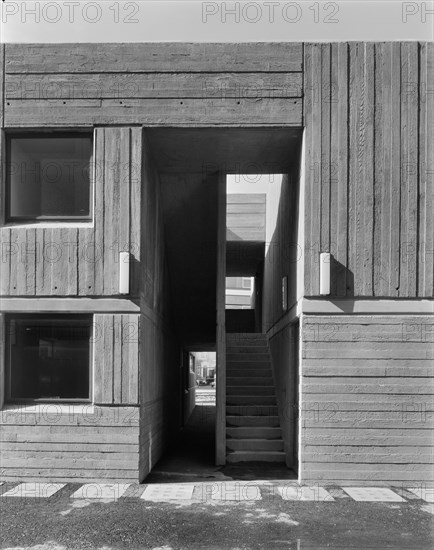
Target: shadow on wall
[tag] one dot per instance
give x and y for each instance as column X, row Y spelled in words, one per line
column 135, row 273
column 341, row 279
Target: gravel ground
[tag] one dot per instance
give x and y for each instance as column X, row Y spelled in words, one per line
column 61, row 523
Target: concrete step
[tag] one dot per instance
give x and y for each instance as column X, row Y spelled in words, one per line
column 250, row 390
column 247, row 373
column 248, row 358
column 249, row 350
column 251, row 410
column 246, row 337
column 250, row 400
column 254, row 432
column 254, row 445
column 252, row 421
column 251, row 381
column 248, row 365
column 248, row 346
column 256, row 456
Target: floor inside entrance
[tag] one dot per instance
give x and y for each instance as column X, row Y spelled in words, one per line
column 191, row 458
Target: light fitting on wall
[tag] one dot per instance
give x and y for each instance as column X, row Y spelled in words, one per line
column 124, row 273
column 324, row 273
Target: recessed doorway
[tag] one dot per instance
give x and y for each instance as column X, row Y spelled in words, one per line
column 193, row 167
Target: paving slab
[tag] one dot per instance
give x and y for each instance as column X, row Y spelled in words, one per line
column 161, row 492
column 34, row 490
column 373, row 494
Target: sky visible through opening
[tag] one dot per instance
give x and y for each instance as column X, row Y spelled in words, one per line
column 251, row 183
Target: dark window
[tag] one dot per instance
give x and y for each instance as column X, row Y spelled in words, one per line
column 48, row 176
column 48, row 357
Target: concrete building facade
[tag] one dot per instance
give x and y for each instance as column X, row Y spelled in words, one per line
column 113, row 163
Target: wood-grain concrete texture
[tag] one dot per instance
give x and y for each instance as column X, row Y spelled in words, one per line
column 367, row 405
column 368, row 117
column 367, row 114
column 153, row 84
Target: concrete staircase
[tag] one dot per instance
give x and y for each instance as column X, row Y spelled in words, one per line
column 252, row 422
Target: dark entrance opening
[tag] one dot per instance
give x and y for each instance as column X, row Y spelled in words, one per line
column 191, row 163
column 191, row 455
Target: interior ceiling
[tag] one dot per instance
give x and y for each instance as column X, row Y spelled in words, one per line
column 188, row 160
column 230, row 150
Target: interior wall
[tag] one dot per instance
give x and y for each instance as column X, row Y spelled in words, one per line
column 188, row 388
column 281, row 261
column 160, row 352
column 190, row 225
column 300, row 261
column 2, row 359
column 284, row 356
column 282, row 251
column 245, row 217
